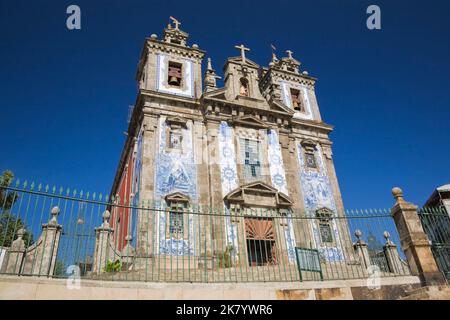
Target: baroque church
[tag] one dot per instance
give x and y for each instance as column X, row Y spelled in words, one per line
column 254, row 154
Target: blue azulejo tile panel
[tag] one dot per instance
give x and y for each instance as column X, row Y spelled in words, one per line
column 278, row 178
column 276, row 166
column 176, row 247
column 227, row 158
column 231, row 232
column 228, row 176
column 175, row 172
column 317, row 193
column 290, row 239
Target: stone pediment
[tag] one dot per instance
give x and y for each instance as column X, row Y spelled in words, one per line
column 177, row 197
column 280, row 107
column 258, row 194
column 217, row 94
column 249, row 121
column 176, row 121
column 324, row 212
column 248, row 62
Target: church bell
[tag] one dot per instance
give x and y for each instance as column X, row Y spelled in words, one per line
column 173, row 80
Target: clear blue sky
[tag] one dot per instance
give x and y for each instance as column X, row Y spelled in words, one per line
column 64, row 95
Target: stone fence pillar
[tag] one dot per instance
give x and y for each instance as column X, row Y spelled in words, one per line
column 15, row 254
column 361, row 249
column 414, row 242
column 40, row 258
column 392, row 257
column 102, row 251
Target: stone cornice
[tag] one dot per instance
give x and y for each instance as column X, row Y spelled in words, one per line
column 314, row 124
column 171, row 48
column 290, row 76
column 158, row 96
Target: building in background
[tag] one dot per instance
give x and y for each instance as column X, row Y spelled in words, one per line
column 440, row 198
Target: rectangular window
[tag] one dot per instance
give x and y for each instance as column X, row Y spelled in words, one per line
column 296, row 100
column 310, row 160
column 325, row 232
column 176, row 222
column 250, row 151
column 174, row 74
column 175, row 139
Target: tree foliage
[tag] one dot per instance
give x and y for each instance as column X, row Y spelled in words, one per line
column 7, row 197
column 9, row 223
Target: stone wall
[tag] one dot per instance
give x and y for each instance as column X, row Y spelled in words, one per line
column 40, row 289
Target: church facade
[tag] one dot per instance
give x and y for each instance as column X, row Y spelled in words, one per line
column 254, row 153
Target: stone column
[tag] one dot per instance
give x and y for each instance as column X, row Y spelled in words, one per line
column 414, row 242
column 361, row 249
column 392, row 257
column 15, row 254
column 102, row 241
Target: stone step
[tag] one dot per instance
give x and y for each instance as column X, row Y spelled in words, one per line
column 428, row 293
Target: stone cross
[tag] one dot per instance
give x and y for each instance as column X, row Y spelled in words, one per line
column 242, row 48
column 175, row 22
column 289, row 52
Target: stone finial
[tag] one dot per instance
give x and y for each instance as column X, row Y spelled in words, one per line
column 387, row 236
column 210, row 77
column 128, row 239
column 398, row 194
column 55, row 212
column 305, row 73
column 106, row 215
column 19, row 244
column 154, row 36
column 358, row 235
column 209, row 66
column 20, row 233
column 195, row 46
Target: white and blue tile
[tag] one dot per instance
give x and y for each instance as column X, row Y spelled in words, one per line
column 317, row 193
column 175, row 172
column 278, row 178
column 228, row 176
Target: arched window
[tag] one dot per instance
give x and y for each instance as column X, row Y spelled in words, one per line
column 243, row 91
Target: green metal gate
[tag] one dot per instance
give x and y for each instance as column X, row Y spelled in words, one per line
column 436, row 224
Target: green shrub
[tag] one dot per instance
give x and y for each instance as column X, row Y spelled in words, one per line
column 113, row 266
column 225, row 258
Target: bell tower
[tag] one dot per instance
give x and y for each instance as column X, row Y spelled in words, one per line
column 170, row 65
column 241, row 77
column 282, row 81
